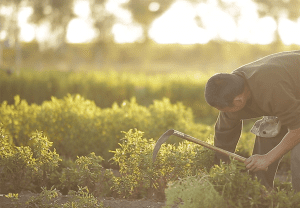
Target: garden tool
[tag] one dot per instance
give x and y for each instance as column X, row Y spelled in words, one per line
column 170, row 132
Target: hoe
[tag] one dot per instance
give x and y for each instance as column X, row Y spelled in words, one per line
column 170, row 132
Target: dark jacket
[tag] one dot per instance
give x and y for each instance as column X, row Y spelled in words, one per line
column 274, row 82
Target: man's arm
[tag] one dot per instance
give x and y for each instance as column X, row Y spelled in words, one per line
column 227, row 134
column 261, row 162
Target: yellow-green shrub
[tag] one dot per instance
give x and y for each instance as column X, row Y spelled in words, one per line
column 72, row 124
column 77, row 126
column 108, row 87
column 193, row 192
column 246, row 144
column 19, row 120
column 26, row 167
column 142, row 178
column 227, row 186
column 89, row 173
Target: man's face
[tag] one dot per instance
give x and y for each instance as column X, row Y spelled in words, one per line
column 239, row 103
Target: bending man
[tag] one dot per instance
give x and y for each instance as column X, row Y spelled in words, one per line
column 268, row 87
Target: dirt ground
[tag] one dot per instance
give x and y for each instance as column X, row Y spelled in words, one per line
column 107, row 202
column 113, row 203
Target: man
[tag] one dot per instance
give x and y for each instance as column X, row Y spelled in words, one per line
column 268, row 87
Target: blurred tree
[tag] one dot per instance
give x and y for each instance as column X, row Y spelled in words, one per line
column 57, row 13
column 2, row 20
column 9, row 23
column 145, row 12
column 229, row 7
column 103, row 23
column 103, row 20
column 278, row 9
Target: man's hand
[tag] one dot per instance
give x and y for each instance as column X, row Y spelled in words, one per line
column 261, row 162
column 257, row 162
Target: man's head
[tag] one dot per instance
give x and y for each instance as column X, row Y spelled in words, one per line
column 227, row 92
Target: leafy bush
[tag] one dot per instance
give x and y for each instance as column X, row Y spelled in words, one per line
column 72, row 125
column 141, row 178
column 89, row 173
column 246, row 144
column 46, row 161
column 236, row 186
column 230, row 186
column 19, row 120
column 77, row 126
column 193, row 192
column 82, row 198
column 108, row 87
column 26, row 168
column 44, row 199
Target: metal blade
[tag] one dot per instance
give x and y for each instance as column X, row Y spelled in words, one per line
column 160, row 141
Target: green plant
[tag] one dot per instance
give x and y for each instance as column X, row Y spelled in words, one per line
column 14, row 198
column 44, row 199
column 142, row 178
column 19, row 120
column 230, row 185
column 246, row 144
column 17, row 165
column 26, row 168
column 236, row 185
column 47, row 161
column 76, row 126
column 82, row 198
column 72, row 124
column 193, row 192
column 108, row 87
column 88, row 172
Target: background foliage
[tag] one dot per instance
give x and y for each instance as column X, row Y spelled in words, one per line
column 77, row 126
column 64, row 108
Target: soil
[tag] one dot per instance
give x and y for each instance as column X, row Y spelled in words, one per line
column 107, row 202
column 114, row 203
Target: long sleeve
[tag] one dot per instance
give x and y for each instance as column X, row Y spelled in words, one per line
column 227, row 134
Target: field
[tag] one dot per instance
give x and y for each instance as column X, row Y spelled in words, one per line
column 75, row 139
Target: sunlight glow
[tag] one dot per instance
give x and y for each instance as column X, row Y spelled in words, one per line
column 80, row 31
column 289, row 31
column 82, row 9
column 27, row 31
column 218, row 23
column 263, row 32
column 42, row 31
column 176, row 25
column 127, row 33
column 154, row 6
column 123, row 15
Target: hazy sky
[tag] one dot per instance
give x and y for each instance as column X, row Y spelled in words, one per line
column 177, row 25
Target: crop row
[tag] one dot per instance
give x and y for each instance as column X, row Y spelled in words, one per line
column 67, row 143
column 106, row 88
column 182, row 175
column 77, row 126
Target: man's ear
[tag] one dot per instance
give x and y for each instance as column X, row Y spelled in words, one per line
column 238, row 100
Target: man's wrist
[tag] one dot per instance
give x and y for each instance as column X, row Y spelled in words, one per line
column 269, row 158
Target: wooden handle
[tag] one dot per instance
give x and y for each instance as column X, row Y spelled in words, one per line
column 217, row 149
